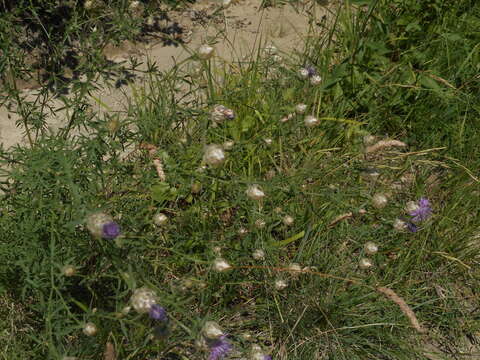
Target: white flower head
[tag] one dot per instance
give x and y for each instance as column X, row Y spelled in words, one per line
column 258, row 254
column 205, row 52
column 90, row 329
column 212, row 331
column 242, row 231
column 288, row 220
column 301, row 108
column 160, row 219
column 411, row 206
column 399, row 225
column 214, row 155
column 303, row 73
column 365, row 263
column 255, row 192
column 221, row 265
column 260, row 224
column 370, row 248
column 268, row 141
column 311, row 121
column 316, row 80
column 379, row 201
column 142, row 300
column 280, row 284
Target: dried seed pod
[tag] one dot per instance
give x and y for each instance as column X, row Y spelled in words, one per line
column 311, row 121
column 228, row 145
column 255, row 192
column 370, row 248
column 365, row 263
column 205, row 52
column 399, row 225
column 301, row 108
column 142, row 299
column 160, row 219
column 379, row 201
column 258, row 254
column 90, row 329
column 212, row 331
column 280, row 284
column 316, row 80
column 221, row 265
column 288, row 220
column 303, row 73
column 69, row 270
column 214, row 155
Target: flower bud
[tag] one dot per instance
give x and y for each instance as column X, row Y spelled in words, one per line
column 90, row 329
column 242, row 231
column 160, row 219
column 370, row 248
column 212, row 331
column 301, row 108
column 411, row 207
column 365, row 263
column 143, row 299
column 101, row 225
column 205, row 52
column 303, row 73
column 258, row 254
column 69, row 270
column 268, row 141
column 214, row 155
column 379, row 201
column 254, row 192
column 311, row 121
column 221, row 265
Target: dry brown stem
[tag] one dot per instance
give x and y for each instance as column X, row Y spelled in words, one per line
column 382, row 144
column 389, row 293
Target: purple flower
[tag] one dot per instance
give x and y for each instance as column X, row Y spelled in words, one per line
column 311, row 71
column 219, row 348
column 158, row 313
column 267, row 357
column 423, row 212
column 111, row 230
column 412, row 227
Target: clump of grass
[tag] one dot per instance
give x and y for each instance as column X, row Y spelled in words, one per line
column 306, row 294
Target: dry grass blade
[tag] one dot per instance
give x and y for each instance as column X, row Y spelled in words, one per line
column 109, row 353
column 383, row 144
column 404, row 307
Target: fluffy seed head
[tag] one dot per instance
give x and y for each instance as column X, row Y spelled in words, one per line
column 212, row 331
column 205, row 52
column 242, row 231
column 228, row 145
column 142, row 299
column 301, row 108
column 315, row 80
column 214, row 155
column 368, row 140
column 96, row 221
column 399, row 225
column 311, row 121
column 254, row 192
column 288, row 220
column 221, row 265
column 411, row 206
column 160, row 219
column 303, row 73
column 280, row 284
column 258, row 254
column 365, row 263
column 370, row 248
column 268, row 141
column 90, row 329
column 379, row 201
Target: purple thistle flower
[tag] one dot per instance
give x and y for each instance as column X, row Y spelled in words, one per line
column 267, row 357
column 412, row 227
column 111, row 230
column 423, row 212
column 311, row 70
column 158, row 313
column 219, row 348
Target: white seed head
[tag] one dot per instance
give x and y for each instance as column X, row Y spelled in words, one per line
column 205, row 52
column 370, row 248
column 126, row 310
column 226, row 3
column 379, row 201
column 96, row 221
column 270, row 174
column 303, row 73
column 260, row 224
column 399, row 225
column 368, row 139
column 221, row 265
column 89, row 4
column 142, row 300
column 90, row 329
column 254, row 192
column 160, row 219
column 270, row 50
column 280, row 284
column 258, row 254
column 301, row 108
column 218, row 114
column 288, row 220
column 311, row 121
column 316, row 80
column 268, row 141
column 365, row 263
column 256, row 353
column 69, row 270
column 212, row 331
column 242, row 231
column 411, row 206
column 214, row 155
column 228, row 145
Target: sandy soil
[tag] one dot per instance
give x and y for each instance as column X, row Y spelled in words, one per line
column 238, row 32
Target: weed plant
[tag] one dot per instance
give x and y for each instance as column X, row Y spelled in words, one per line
column 399, row 70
